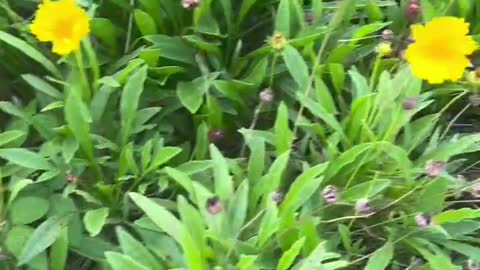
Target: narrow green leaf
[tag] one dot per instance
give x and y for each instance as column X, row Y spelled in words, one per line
column 289, row 256
column 130, row 99
column 223, row 180
column 42, row 86
column 137, row 250
column 26, row 158
column 122, row 262
column 163, row 156
column 78, row 121
column 59, row 252
column 296, row 66
column 10, row 136
column 283, row 134
column 43, row 236
column 458, row 215
column 95, row 220
column 302, row 188
column 159, row 215
column 381, row 258
column 29, row 51
column 238, row 210
column 282, row 19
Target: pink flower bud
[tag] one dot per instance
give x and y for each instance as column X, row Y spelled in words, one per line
column 434, row 168
column 266, row 96
column 330, row 194
column 214, row 205
column 423, row 220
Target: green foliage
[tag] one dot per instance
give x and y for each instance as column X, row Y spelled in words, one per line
column 198, row 138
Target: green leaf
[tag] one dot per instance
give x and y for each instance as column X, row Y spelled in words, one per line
column 137, row 250
column 238, row 210
column 320, row 254
column 191, row 93
column 195, row 166
column 365, row 190
column 193, row 235
column 145, row 22
column 95, row 220
column 122, row 262
column 323, row 96
column 289, row 256
column 130, row 100
column 16, row 188
column 30, row 52
column 256, row 162
column 272, row 180
column 26, row 158
column 159, row 215
column 42, row 86
column 302, row 188
column 282, row 18
column 10, row 136
column 359, row 84
column 365, row 30
column 105, row 31
column 470, row 251
column 381, row 258
column 78, row 121
column 269, row 224
column 223, row 180
column 283, row 134
column 163, row 156
column 174, row 48
column 43, row 236
column 432, row 197
column 296, row 66
column 454, row 216
column 59, row 252
column 25, row 210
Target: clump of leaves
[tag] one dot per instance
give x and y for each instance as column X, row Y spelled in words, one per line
column 233, row 135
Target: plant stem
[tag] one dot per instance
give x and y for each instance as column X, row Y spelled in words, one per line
column 86, row 91
column 93, row 63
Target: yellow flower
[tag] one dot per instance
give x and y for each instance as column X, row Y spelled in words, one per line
column 440, row 49
column 63, row 23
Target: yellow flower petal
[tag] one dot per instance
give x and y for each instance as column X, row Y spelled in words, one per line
column 440, row 49
column 61, row 22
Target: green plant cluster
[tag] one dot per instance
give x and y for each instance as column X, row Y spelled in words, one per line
column 235, row 135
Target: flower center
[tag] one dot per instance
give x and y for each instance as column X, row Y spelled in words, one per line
column 64, row 29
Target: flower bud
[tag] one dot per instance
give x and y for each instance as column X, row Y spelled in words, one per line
column 410, row 103
column 309, row 17
column 472, row 265
column 277, row 197
column 384, row 49
column 266, row 96
column 330, row 194
column 190, row 3
column 214, row 205
column 423, row 220
column 278, row 41
column 434, row 168
column 362, row 207
column 71, row 178
column 387, row 35
column 216, row 135
column 413, row 11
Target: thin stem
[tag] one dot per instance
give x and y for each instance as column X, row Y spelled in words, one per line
column 81, row 68
column 92, row 58
column 129, row 29
column 376, row 67
column 453, row 120
column 310, row 81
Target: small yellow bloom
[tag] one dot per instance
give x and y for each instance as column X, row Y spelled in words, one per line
column 278, row 41
column 384, row 49
column 63, row 23
column 440, row 50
